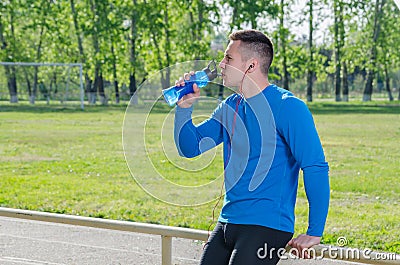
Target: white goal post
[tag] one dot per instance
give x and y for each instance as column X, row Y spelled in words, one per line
column 69, row 65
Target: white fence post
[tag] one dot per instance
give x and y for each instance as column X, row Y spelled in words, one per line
column 166, row 250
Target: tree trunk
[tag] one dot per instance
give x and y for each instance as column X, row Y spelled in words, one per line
column 201, row 20
column 132, row 74
column 28, row 82
column 387, row 81
column 398, row 97
column 9, row 70
column 88, row 81
column 372, row 68
column 345, row 83
column 13, row 86
column 132, row 82
column 310, row 73
column 98, row 85
column 53, row 84
column 196, row 29
column 164, row 84
column 282, row 34
column 33, row 96
column 345, row 72
column 116, row 91
column 367, row 96
column 336, row 7
column 103, row 98
column 3, row 41
column 167, row 46
column 395, row 84
column 114, row 69
column 94, row 88
column 12, row 83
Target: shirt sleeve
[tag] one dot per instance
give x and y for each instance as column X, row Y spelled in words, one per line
column 192, row 140
column 298, row 129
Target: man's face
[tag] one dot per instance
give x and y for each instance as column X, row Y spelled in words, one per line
column 232, row 65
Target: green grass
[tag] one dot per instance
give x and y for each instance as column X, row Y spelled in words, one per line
column 65, row 160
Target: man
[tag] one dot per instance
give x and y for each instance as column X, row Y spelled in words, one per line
column 268, row 135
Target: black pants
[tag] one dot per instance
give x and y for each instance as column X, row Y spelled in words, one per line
column 232, row 244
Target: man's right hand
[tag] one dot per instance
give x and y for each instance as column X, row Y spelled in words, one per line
column 187, row 100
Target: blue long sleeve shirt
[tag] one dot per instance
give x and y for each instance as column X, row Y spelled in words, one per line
column 267, row 139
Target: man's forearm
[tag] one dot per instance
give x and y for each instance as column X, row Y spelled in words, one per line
column 316, row 183
column 185, row 133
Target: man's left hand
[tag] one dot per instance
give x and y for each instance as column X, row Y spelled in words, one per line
column 304, row 242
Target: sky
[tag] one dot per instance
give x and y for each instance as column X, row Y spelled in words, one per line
column 322, row 21
column 397, row 3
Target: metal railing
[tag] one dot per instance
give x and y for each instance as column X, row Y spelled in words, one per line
column 168, row 232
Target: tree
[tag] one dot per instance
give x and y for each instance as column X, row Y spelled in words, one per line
column 40, row 13
column 342, row 34
column 114, row 26
column 160, row 37
column 197, row 22
column 349, row 12
column 96, row 31
column 121, row 41
column 8, row 46
column 379, row 4
column 283, row 40
column 310, row 72
column 82, row 55
column 135, row 16
column 90, row 21
column 338, row 43
column 248, row 13
column 388, row 52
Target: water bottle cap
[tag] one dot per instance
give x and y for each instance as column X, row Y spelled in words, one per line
column 212, row 74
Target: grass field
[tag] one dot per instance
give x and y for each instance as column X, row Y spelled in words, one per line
column 64, row 160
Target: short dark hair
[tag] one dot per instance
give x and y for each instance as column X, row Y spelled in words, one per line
column 257, row 43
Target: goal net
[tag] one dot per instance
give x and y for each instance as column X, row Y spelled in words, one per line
column 51, row 83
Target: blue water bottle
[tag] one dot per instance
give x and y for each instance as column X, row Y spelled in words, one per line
column 201, row 78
